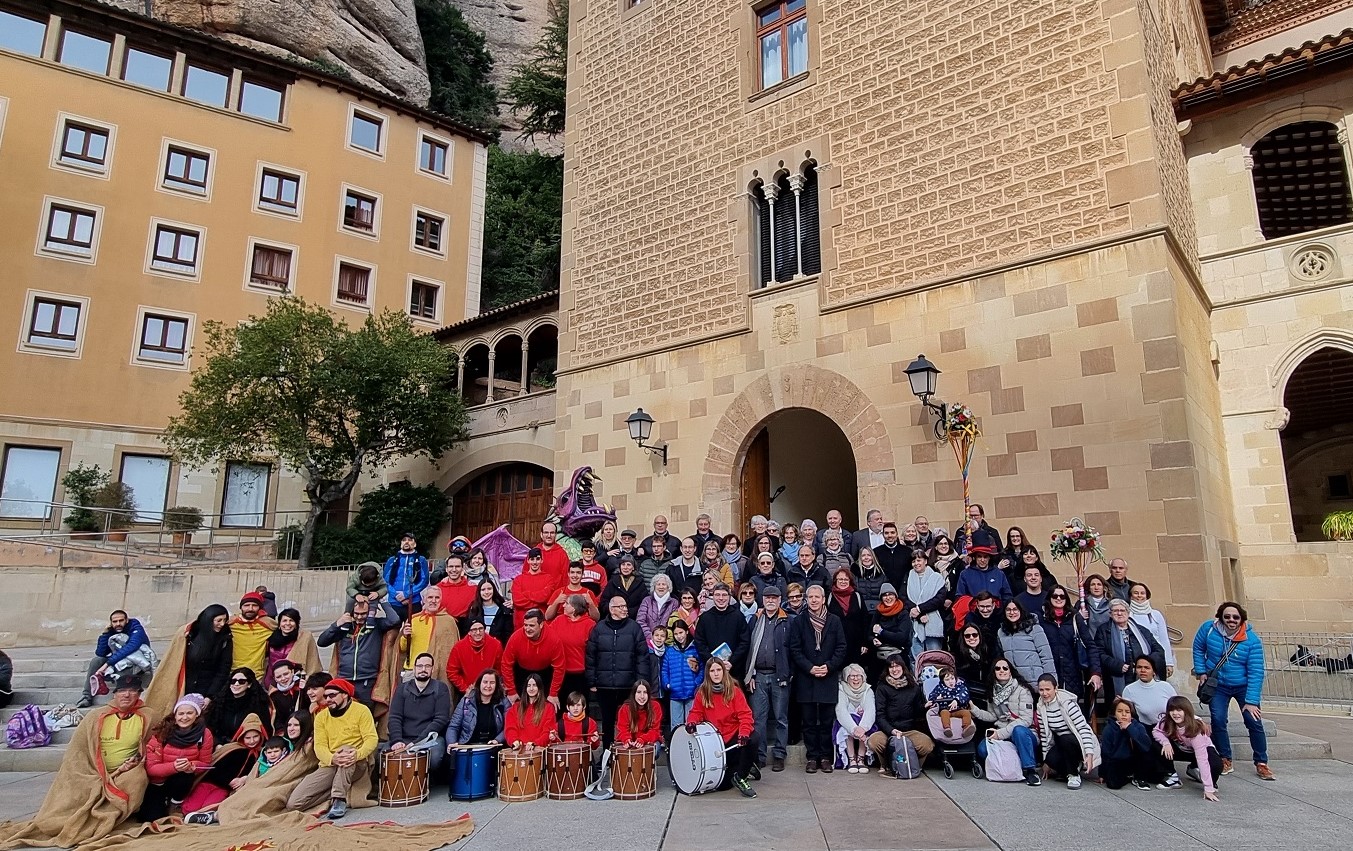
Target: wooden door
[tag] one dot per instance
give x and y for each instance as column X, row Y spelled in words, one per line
column 755, row 481
column 518, row 495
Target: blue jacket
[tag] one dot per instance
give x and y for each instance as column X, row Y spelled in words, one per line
column 407, row 574
column 973, row 581
column 463, row 720
column 678, row 680
column 1116, row 743
column 1243, row 669
column 136, row 639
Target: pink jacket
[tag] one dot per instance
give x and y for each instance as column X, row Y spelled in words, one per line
column 160, row 757
column 1198, row 744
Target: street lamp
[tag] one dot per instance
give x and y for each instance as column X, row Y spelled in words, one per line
column 924, row 378
column 641, row 427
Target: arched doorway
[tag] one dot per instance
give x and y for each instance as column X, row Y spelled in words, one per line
column 1317, row 441
column 799, row 464
column 518, row 494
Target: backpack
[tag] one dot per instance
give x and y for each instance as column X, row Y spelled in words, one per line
column 1003, row 762
column 906, row 763
column 27, row 729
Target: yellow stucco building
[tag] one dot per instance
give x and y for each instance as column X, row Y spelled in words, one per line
column 156, row 178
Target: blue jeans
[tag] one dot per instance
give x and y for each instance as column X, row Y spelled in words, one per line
column 920, row 643
column 680, row 709
column 770, row 705
column 1221, row 737
column 1025, row 742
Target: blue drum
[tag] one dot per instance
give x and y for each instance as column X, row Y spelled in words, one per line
column 474, row 772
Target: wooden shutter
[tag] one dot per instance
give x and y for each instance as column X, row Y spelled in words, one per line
column 808, row 224
column 786, row 240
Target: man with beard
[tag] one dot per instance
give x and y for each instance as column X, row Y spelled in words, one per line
column 286, row 691
column 123, row 650
column 345, row 739
column 430, row 631
column 531, row 651
column 419, row 711
column 358, row 646
column 894, row 558
column 249, row 633
column 870, row 536
column 406, row 574
column 457, row 591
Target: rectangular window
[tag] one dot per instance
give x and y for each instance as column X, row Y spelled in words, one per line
column 83, row 145
column 163, row 339
column 427, row 231
column 206, row 86
column 782, row 34
column 423, row 300
column 279, row 192
column 271, row 267
column 186, row 170
column 359, row 211
column 22, row 35
column 432, row 156
column 175, row 249
column 85, row 51
column 261, row 101
column 70, row 230
column 148, row 477
column 353, row 283
column 28, row 480
column 364, row 131
column 147, row 69
column 245, row 499
column 54, row 324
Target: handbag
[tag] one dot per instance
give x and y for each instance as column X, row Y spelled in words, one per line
column 1207, row 689
column 1003, row 762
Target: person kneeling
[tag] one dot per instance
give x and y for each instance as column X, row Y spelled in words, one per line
column 719, row 701
column 345, row 739
column 1069, row 744
column 1127, row 750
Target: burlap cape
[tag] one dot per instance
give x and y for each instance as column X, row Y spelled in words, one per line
column 445, row 634
column 387, row 677
column 83, row 803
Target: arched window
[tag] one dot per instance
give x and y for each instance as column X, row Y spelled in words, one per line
column 1317, row 441
column 1300, row 179
column 788, row 243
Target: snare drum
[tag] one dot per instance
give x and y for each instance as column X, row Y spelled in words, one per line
column 633, row 773
column 404, row 779
column 472, row 772
column 519, row 775
column 697, row 760
column 567, row 769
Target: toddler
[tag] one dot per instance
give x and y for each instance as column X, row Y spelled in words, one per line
column 951, row 698
column 275, row 750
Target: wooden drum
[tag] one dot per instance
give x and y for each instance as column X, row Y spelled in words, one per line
column 567, row 769
column 404, row 779
column 519, row 775
column 633, row 773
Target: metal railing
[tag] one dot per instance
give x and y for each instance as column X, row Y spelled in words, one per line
column 1309, row 669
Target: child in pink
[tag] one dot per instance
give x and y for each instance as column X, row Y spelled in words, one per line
column 1183, row 736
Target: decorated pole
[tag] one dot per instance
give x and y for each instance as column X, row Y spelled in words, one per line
column 961, row 431
column 1079, row 544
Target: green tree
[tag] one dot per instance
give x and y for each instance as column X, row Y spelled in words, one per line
column 458, row 65
column 523, row 206
column 537, row 91
column 298, row 385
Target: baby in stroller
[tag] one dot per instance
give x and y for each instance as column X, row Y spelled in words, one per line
column 953, row 735
column 951, row 698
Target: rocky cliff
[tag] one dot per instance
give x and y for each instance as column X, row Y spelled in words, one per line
column 511, row 28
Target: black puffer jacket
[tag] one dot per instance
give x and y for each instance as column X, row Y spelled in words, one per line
column 617, row 654
column 899, row 708
column 727, row 627
column 1066, row 652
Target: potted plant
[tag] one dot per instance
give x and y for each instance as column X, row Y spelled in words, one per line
column 81, row 484
column 117, row 509
column 182, row 520
column 1338, row 526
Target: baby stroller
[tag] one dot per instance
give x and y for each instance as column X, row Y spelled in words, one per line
column 947, row 744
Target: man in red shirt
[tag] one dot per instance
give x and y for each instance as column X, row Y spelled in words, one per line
column 531, row 651
column 574, row 586
column 535, row 587
column 555, row 557
column 571, row 630
column 457, row 591
column 472, row 656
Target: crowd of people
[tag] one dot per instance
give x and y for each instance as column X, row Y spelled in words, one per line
column 869, row 646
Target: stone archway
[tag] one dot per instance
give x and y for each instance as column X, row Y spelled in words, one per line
column 799, row 386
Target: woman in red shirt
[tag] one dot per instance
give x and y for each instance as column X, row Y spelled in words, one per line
column 530, row 724
column 719, row 701
column 639, row 721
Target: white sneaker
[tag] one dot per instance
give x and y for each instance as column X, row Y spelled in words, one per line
column 1073, row 782
column 1171, row 782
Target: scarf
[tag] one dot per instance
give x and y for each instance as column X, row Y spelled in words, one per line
column 279, row 639
column 819, row 622
column 853, row 696
column 181, row 738
column 661, row 599
column 1001, row 693
column 1097, row 604
column 895, row 683
column 890, row 611
column 1143, row 609
column 790, row 551
column 748, row 609
column 844, row 599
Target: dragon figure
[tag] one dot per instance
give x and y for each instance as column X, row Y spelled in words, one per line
column 576, row 512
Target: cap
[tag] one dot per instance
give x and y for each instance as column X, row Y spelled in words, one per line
column 196, row 701
column 408, row 535
column 252, row 597
column 342, row 685
column 770, row 591
column 128, row 682
column 887, row 588
column 630, row 532
column 534, row 552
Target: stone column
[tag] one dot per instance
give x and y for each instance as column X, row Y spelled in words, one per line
column 525, row 375
column 493, row 362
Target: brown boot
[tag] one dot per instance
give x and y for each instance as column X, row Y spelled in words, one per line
column 777, row 763
column 1261, row 768
column 810, row 766
column 1226, row 767
column 826, row 766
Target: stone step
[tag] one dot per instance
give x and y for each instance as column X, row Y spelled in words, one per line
column 33, row 759
column 1237, row 728
column 48, row 680
column 47, row 696
column 72, row 665
column 1288, row 746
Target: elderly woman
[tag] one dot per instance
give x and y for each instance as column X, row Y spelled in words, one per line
column 765, row 576
column 1010, row 717
column 926, row 593
column 1141, row 613
column 788, row 553
column 835, row 553
column 658, row 606
column 1069, row 743
column 854, row 721
column 1025, row 644
column 808, row 536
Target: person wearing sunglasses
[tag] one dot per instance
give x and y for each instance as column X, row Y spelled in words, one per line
column 243, row 696
column 1230, row 651
column 1060, row 626
column 1010, row 718
column 345, row 740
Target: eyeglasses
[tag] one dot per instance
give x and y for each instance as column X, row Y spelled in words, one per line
column 1056, row 596
column 239, row 681
column 1001, row 668
column 332, row 694
column 1230, row 617
column 796, row 596
column 972, row 635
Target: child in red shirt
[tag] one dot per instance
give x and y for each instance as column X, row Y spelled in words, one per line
column 530, row 723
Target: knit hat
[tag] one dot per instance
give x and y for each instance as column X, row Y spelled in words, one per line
column 887, row 588
column 252, row 597
column 344, row 686
column 196, row 701
column 984, row 542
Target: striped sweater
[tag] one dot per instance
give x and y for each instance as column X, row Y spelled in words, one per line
column 1063, row 715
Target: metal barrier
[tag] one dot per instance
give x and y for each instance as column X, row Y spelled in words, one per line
column 1309, row 669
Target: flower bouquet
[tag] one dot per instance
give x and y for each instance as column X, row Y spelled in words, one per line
column 960, row 422
column 1079, row 543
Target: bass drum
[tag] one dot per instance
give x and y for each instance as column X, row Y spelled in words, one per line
column 697, row 760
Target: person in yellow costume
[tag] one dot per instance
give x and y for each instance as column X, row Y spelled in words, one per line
column 432, row 631
column 249, row 631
